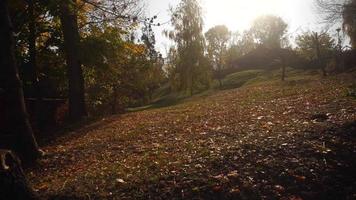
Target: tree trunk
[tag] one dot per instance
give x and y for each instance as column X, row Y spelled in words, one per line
column 13, row 183
column 114, row 100
column 14, row 123
column 220, row 83
column 284, row 63
column 70, row 29
column 32, row 43
column 33, row 64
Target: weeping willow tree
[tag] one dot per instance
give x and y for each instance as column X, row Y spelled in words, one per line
column 191, row 67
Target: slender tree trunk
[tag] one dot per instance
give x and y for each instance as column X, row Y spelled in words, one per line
column 114, row 100
column 32, row 42
column 220, row 83
column 70, row 29
column 191, row 85
column 33, row 63
column 14, row 124
column 283, row 71
column 283, row 67
column 220, row 70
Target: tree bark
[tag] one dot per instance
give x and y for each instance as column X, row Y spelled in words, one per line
column 220, row 83
column 283, row 71
column 14, row 122
column 114, row 100
column 32, row 42
column 71, row 35
column 13, row 183
column 284, row 63
column 33, row 64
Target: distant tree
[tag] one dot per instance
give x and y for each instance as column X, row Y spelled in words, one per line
column 317, row 47
column 269, row 31
column 154, row 75
column 190, row 67
column 217, row 39
column 170, row 68
column 16, row 132
column 240, row 45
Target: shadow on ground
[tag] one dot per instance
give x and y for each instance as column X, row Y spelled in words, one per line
column 317, row 164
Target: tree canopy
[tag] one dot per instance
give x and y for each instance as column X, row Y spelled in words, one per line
column 269, row 31
column 191, row 68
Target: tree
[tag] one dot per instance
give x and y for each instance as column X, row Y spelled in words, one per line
column 340, row 11
column 69, row 21
column 269, row 31
column 217, row 40
column 102, row 13
column 14, row 123
column 240, row 45
column 349, row 24
column 191, row 69
column 317, row 47
column 13, row 182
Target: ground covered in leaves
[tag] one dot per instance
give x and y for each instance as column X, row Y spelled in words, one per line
column 270, row 140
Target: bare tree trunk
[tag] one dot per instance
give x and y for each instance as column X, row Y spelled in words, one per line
column 14, row 124
column 70, row 29
column 114, row 100
column 284, row 63
column 283, row 71
column 191, row 85
column 32, row 42
column 33, row 63
column 220, row 75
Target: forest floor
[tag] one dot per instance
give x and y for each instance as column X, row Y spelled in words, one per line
column 270, row 140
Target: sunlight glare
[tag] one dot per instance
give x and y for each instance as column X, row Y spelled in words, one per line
column 238, row 14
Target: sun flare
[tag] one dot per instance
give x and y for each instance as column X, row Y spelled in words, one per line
column 238, row 14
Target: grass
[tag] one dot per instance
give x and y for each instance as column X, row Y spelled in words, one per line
column 164, row 97
column 238, row 79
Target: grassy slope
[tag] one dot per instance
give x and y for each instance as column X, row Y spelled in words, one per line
column 263, row 140
column 163, row 97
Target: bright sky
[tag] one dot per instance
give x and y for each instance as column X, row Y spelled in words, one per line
column 237, row 15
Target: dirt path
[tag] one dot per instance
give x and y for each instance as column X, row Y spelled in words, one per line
column 267, row 141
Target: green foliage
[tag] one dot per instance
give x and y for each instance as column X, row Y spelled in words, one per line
column 308, row 44
column 238, row 79
column 118, row 73
column 190, row 70
column 217, row 40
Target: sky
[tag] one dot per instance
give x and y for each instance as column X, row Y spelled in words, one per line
column 237, row 15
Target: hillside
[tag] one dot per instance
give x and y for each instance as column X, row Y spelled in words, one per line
column 264, row 140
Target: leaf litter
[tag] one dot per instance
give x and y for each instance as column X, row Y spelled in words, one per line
column 263, row 141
